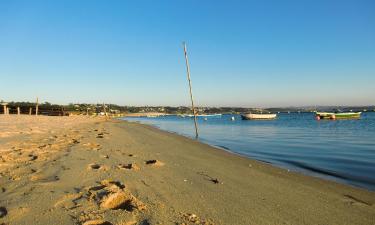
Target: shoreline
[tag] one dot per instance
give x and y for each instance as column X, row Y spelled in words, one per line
column 325, row 175
column 119, row 172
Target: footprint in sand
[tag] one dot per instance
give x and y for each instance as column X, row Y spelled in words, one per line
column 105, row 156
column 97, row 222
column 95, row 166
column 65, row 168
column 113, row 195
column 44, row 179
column 42, row 146
column 75, row 141
column 130, row 166
column 192, row 218
column 68, row 200
column 33, row 157
column 88, row 204
column 121, row 200
column 100, row 135
column 132, row 223
column 154, row 162
column 3, row 212
column 15, row 178
column 92, row 146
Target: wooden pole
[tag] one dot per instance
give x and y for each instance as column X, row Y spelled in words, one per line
column 37, row 106
column 5, row 109
column 18, row 110
column 105, row 111
column 191, row 92
column 30, row 111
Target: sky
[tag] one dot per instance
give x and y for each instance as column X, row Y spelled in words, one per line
column 242, row 53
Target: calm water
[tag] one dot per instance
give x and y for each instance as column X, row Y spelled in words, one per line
column 342, row 150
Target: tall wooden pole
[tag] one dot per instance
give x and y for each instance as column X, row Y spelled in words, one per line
column 105, row 111
column 191, row 92
column 37, row 106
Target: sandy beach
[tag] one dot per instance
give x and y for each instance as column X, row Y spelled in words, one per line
column 91, row 171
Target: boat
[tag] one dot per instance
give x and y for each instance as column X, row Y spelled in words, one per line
column 255, row 116
column 204, row 115
column 338, row 115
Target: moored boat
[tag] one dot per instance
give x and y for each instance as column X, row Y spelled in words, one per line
column 204, row 115
column 340, row 115
column 255, row 116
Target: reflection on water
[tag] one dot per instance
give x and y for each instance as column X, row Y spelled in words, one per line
column 341, row 150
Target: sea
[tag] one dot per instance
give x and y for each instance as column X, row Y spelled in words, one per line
column 338, row 150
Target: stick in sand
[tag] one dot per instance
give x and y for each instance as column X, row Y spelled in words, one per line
column 191, row 92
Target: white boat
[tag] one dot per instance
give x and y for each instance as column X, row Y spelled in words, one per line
column 254, row 116
column 204, row 115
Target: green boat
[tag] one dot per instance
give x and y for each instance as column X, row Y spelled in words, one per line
column 339, row 115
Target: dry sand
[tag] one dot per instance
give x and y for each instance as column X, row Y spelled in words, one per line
column 79, row 170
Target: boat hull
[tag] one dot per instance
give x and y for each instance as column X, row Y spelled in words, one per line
column 203, row 115
column 252, row 116
column 347, row 115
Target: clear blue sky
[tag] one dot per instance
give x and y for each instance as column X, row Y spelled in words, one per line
column 242, row 53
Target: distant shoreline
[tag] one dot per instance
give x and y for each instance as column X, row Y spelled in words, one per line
column 113, row 109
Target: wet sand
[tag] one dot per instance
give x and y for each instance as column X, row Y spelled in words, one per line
column 80, row 170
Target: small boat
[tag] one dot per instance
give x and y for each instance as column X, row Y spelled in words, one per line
column 339, row 115
column 254, row 116
column 204, row 115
